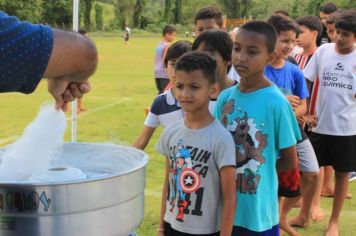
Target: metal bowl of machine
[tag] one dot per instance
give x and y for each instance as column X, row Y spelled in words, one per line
column 91, row 189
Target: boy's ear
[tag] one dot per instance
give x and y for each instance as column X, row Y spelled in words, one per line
column 214, row 90
column 315, row 33
column 270, row 57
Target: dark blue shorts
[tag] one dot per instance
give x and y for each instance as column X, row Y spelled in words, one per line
column 240, row 231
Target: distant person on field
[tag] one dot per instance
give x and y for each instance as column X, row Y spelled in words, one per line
column 324, row 11
column 264, row 129
column 198, row 196
column 165, row 109
column 30, row 52
column 334, row 130
column 127, row 34
column 161, row 78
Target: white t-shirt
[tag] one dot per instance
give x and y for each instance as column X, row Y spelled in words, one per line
column 165, row 110
column 336, row 102
column 233, row 74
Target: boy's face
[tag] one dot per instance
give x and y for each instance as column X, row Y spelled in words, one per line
column 323, row 16
column 344, row 41
column 250, row 55
column 221, row 64
column 205, row 25
column 306, row 37
column 170, row 37
column 193, row 90
column 331, row 31
column 285, row 44
column 170, row 70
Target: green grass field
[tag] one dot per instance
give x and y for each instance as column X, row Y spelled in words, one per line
column 122, row 88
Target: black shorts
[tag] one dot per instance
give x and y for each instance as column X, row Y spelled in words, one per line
column 169, row 231
column 161, row 84
column 336, row 151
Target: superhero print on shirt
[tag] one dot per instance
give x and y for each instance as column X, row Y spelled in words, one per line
column 183, row 180
column 250, row 142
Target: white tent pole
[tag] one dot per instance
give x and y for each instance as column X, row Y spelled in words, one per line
column 74, row 103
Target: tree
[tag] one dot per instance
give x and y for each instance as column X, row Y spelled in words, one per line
column 177, row 12
column 98, row 17
column 87, row 10
column 58, row 12
column 29, row 10
column 167, row 10
column 246, row 4
column 123, row 11
column 232, row 8
column 138, row 12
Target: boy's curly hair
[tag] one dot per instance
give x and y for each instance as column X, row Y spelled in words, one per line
column 192, row 61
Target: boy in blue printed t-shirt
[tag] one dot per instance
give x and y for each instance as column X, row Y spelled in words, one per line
column 263, row 126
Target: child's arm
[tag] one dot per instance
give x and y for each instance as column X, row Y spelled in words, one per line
column 160, row 230
column 228, row 188
column 288, row 159
column 144, row 137
column 301, row 110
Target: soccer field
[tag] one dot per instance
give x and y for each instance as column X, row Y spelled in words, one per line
column 122, row 88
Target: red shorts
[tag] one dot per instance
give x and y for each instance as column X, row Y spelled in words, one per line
column 289, row 183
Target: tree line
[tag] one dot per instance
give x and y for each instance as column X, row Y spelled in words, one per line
column 145, row 13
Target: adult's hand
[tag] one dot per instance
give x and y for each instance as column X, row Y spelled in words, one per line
column 65, row 91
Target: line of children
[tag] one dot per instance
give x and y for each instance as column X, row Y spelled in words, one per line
column 263, row 126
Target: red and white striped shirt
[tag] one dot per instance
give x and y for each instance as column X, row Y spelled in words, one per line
column 302, row 61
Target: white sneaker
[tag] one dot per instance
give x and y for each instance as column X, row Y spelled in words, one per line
column 352, row 176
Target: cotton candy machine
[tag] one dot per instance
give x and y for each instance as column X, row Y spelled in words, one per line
column 90, row 189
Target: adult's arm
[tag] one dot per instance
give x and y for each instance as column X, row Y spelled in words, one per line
column 72, row 61
column 73, row 57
